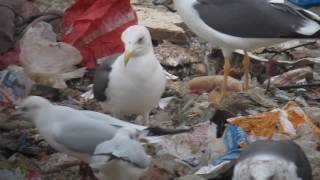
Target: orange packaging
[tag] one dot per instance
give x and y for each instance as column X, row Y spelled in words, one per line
column 283, row 121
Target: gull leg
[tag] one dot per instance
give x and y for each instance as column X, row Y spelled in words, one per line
column 226, row 70
column 246, row 63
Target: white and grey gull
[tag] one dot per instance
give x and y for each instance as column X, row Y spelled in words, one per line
column 78, row 132
column 272, row 160
column 246, row 25
column 121, row 158
column 131, row 82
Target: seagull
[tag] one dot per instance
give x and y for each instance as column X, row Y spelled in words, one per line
column 121, row 158
column 131, row 82
column 246, row 25
column 272, row 160
column 78, row 132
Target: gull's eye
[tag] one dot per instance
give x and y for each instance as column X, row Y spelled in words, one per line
column 140, row 40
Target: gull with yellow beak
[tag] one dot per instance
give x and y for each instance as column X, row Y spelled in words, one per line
column 132, row 82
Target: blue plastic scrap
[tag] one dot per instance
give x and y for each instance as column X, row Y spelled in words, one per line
column 233, row 137
column 305, row 3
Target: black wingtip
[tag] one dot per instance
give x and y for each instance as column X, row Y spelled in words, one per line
column 157, row 131
column 101, row 78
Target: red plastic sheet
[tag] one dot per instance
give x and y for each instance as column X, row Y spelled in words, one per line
column 95, row 27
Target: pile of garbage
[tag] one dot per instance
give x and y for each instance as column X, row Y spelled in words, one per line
column 51, row 49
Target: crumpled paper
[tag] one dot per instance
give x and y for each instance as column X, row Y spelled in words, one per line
column 196, row 148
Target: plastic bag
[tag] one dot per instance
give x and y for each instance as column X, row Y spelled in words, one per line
column 46, row 61
column 95, row 27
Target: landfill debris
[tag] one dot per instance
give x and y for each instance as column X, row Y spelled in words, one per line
column 15, row 16
column 234, row 138
column 291, row 77
column 56, row 162
column 212, row 171
column 163, row 25
column 14, row 86
column 209, row 83
column 18, row 167
column 8, row 18
column 45, row 5
column 170, row 76
column 314, row 114
column 207, row 152
column 163, row 103
column 266, row 124
column 172, row 55
column 9, row 58
column 99, row 35
column 88, row 95
column 46, row 61
column 189, row 147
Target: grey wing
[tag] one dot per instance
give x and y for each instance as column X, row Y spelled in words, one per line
column 117, row 123
column 128, row 150
column 80, row 133
column 103, row 152
column 101, row 79
column 133, row 152
column 253, row 19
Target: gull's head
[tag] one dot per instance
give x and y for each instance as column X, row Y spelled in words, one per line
column 31, row 106
column 260, row 169
column 137, row 42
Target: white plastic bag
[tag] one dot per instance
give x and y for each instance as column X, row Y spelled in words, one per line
column 46, row 61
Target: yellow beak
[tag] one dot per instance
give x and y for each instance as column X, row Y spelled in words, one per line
column 127, row 56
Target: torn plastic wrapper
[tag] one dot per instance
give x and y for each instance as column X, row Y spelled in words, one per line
column 234, row 138
column 95, row 27
column 46, row 61
column 14, row 86
column 291, row 77
column 265, row 125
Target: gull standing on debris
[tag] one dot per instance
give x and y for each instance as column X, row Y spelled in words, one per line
column 77, row 132
column 246, row 24
column 272, row 160
column 132, row 82
column 121, row 158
